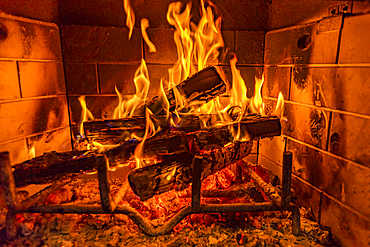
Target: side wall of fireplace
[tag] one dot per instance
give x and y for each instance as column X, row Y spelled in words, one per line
column 323, row 68
column 33, row 102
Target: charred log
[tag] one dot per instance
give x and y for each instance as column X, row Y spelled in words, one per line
column 202, row 86
column 54, row 165
column 176, row 172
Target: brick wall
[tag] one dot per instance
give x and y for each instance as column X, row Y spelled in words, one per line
column 33, row 101
column 323, row 69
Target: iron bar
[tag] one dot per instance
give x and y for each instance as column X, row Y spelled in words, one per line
column 197, row 183
column 7, row 179
column 286, row 179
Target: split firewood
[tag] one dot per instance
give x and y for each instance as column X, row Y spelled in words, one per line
column 176, row 172
column 202, row 86
column 51, row 166
column 119, row 131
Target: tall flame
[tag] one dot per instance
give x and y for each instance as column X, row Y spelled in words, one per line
column 130, row 19
column 195, row 48
column 126, row 108
column 257, row 105
column 150, row 131
column 85, row 115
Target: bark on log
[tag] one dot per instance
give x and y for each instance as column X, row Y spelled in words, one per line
column 177, row 173
column 119, row 130
column 202, row 86
column 51, row 166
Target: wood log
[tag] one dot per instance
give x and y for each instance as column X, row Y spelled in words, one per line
column 176, row 171
column 51, row 166
column 118, row 131
column 202, row 86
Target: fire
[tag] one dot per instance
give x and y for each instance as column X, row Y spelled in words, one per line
column 130, row 19
column 144, row 26
column 126, row 108
column 85, row 115
column 197, row 47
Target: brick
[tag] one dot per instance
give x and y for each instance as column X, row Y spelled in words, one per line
column 307, row 196
column 43, row 10
column 350, row 228
column 306, row 124
column 86, row 44
column 273, row 149
column 164, row 43
column 243, row 15
column 337, row 88
column 120, row 75
column 30, row 39
column 276, row 79
column 332, row 175
column 81, row 78
column 55, row 140
column 18, row 150
column 249, row 47
column 28, row 117
column 355, row 37
column 99, row 13
column 349, row 138
column 226, row 52
column 41, row 78
column 9, row 86
column 248, row 74
column 290, row 46
column 285, row 13
column 361, row 7
column 102, row 107
column 156, row 73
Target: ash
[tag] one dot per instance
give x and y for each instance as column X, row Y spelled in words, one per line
column 228, row 229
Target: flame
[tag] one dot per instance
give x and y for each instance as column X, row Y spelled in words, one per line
column 85, row 115
column 126, row 108
column 195, row 49
column 279, row 109
column 32, row 152
column 150, row 131
column 130, row 19
column 144, row 26
column 257, row 105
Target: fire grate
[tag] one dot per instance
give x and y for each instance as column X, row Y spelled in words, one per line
column 110, row 205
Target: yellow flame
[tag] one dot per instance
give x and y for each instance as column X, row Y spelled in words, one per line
column 238, row 93
column 32, row 152
column 144, row 26
column 150, row 131
column 85, row 115
column 126, row 108
column 257, row 105
column 130, row 19
column 279, row 109
column 195, row 49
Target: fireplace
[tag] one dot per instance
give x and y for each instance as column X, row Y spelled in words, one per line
column 315, row 53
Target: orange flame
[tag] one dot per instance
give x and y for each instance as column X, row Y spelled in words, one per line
column 150, row 131
column 126, row 108
column 85, row 115
column 130, row 19
column 257, row 105
column 144, row 26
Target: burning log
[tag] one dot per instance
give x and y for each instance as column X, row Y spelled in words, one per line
column 202, row 86
column 177, row 173
column 54, row 165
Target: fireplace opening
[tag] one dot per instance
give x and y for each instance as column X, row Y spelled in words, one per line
column 184, row 123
